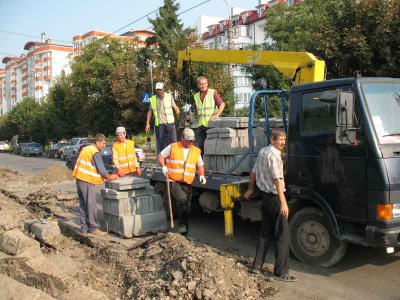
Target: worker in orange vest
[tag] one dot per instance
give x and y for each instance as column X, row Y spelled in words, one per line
column 124, row 155
column 89, row 171
column 179, row 162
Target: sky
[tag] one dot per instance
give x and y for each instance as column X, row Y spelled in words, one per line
column 63, row 19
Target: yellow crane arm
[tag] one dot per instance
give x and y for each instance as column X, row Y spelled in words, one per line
column 301, row 67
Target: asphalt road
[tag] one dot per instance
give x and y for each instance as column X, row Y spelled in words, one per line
column 364, row 273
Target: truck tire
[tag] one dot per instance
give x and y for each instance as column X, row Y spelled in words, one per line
column 312, row 239
column 160, row 188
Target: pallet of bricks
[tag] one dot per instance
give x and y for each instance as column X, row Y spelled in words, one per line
column 227, row 142
column 131, row 208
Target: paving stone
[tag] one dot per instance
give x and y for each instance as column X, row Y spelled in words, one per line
column 133, row 206
column 136, row 225
column 210, row 146
column 28, row 224
column 48, row 233
column 127, row 183
column 113, row 194
column 232, row 146
column 12, row 289
column 15, row 242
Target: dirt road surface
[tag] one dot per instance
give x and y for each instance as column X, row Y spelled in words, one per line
column 364, row 273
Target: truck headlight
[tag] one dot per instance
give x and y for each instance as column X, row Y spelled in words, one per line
column 396, row 210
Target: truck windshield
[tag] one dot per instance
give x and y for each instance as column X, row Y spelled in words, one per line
column 383, row 100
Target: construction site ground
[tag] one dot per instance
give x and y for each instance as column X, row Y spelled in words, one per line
column 162, row 266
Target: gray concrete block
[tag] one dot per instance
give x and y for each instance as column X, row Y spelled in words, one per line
column 210, row 146
column 136, row 225
column 127, row 183
column 48, row 233
column 15, row 242
column 212, row 136
column 12, row 289
column 113, row 194
column 223, row 163
column 232, row 146
column 212, row 131
column 132, row 206
column 28, row 224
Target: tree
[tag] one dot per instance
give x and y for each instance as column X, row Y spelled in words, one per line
column 104, row 80
column 349, row 35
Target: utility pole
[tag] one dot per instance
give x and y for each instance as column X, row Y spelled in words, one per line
column 150, row 63
column 230, row 34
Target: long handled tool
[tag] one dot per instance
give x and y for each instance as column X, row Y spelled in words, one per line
column 171, row 215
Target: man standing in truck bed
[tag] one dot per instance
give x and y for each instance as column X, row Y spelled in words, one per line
column 268, row 174
column 209, row 106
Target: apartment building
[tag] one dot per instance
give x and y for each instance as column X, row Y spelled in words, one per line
column 31, row 74
column 248, row 28
column 2, row 89
column 137, row 37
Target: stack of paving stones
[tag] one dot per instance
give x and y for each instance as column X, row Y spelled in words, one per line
column 227, row 141
column 131, row 208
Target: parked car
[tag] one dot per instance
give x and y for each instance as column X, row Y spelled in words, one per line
column 106, row 156
column 28, row 149
column 4, row 146
column 73, row 146
column 16, row 141
column 55, row 150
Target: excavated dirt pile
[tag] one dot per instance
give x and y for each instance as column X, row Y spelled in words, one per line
column 7, row 175
column 170, row 266
column 53, row 174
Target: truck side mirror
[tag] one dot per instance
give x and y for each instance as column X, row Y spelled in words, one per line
column 345, row 109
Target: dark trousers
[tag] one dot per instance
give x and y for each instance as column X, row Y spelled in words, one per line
column 202, row 135
column 87, row 205
column 274, row 227
column 182, row 193
column 165, row 135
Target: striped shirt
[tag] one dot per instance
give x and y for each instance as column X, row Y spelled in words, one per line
column 268, row 166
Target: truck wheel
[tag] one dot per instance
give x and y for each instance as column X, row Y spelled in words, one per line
column 312, row 239
column 160, row 188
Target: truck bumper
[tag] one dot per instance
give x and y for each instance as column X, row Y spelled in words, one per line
column 378, row 237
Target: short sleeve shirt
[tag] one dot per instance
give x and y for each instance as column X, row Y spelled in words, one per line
column 268, row 167
column 167, row 152
column 162, row 117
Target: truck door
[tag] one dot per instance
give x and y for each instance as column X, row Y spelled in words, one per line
column 334, row 172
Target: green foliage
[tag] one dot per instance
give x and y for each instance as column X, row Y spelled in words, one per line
column 348, row 34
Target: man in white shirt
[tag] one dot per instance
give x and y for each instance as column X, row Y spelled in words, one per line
column 267, row 173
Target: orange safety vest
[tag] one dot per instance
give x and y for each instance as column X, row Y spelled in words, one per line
column 179, row 169
column 126, row 156
column 84, row 169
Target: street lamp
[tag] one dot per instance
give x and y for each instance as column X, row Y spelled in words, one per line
column 229, row 34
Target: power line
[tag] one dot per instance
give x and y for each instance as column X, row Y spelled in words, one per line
column 32, row 36
column 8, row 54
column 137, row 20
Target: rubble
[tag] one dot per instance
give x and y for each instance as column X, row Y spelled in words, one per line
column 15, row 242
column 53, row 174
column 7, row 175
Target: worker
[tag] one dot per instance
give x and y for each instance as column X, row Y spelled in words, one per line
column 90, row 171
column 209, row 106
column 179, row 162
column 124, row 155
column 267, row 173
column 162, row 105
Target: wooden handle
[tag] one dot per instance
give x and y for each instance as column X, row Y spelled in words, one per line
column 171, row 216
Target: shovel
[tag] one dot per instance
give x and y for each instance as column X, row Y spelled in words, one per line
column 171, row 216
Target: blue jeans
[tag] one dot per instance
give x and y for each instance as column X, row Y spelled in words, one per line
column 165, row 135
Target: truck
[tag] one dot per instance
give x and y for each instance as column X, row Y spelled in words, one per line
column 342, row 161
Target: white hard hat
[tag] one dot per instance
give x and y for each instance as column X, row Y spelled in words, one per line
column 188, row 134
column 120, row 130
column 159, row 86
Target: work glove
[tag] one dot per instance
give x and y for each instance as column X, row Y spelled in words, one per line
column 120, row 172
column 202, row 179
column 165, row 171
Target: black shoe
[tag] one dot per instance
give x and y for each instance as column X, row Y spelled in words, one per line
column 182, row 229
column 286, row 278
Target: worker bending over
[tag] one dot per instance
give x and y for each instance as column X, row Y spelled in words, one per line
column 179, row 162
column 124, row 155
column 89, row 170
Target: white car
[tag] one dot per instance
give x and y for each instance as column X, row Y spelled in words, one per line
column 4, row 146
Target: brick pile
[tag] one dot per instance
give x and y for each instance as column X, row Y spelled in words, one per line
column 228, row 141
column 131, row 208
